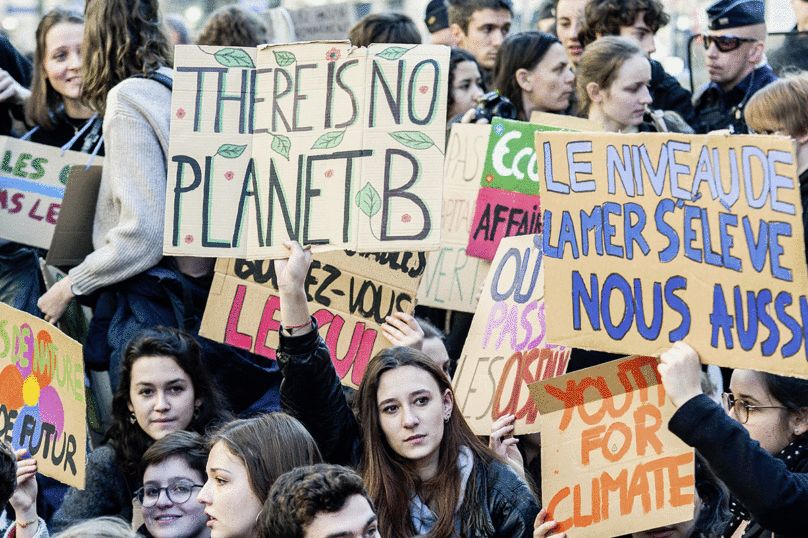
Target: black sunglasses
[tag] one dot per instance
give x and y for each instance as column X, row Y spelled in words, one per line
column 725, row 43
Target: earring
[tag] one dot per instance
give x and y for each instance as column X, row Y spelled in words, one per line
column 132, row 418
column 446, row 418
column 196, row 412
column 797, row 431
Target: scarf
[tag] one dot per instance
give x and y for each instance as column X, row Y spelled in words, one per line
column 423, row 518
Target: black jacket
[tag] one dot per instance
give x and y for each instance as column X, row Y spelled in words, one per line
column 20, row 70
column 311, row 392
column 668, row 94
column 717, row 109
column 772, row 490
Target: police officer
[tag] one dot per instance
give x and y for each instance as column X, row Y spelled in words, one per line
column 734, row 45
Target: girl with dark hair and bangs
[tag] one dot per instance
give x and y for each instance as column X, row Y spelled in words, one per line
column 425, row 470
column 164, row 388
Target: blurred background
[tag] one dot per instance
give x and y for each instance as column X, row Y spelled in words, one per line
column 326, row 19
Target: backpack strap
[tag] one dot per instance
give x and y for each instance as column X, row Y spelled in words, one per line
column 157, row 77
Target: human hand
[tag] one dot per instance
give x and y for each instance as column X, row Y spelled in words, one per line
column 401, row 329
column 54, row 302
column 11, row 90
column 680, row 370
column 24, row 498
column 542, row 527
column 504, row 443
column 291, row 272
column 471, row 117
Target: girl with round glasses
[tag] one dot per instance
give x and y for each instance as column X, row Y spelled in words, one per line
column 757, row 445
column 173, row 474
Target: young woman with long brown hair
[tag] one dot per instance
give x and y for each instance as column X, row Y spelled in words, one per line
column 425, row 470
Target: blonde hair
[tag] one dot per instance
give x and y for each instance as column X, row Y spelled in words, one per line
column 100, row 527
column 780, row 106
column 600, row 63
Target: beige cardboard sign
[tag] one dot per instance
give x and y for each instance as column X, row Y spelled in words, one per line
column 653, row 238
column 566, row 123
column 452, row 278
column 42, row 406
column 73, row 235
column 507, row 348
column 334, row 146
column 609, row 464
column 326, row 22
column 350, row 294
column 32, row 183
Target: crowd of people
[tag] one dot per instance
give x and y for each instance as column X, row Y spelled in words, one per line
column 192, row 451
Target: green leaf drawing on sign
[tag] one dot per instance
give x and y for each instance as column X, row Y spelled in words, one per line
column 284, row 58
column 281, row 145
column 392, row 53
column 329, row 140
column 233, row 58
column 413, row 139
column 231, row 151
column 368, row 200
column 64, row 174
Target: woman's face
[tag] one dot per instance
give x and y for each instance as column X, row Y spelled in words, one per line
column 62, row 59
column 467, row 87
column 623, row 103
column 229, row 500
column 769, row 427
column 548, row 86
column 168, row 519
column 161, row 395
column 412, row 413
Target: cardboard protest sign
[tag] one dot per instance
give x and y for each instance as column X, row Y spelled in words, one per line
column 42, row 406
column 609, row 464
column 32, row 182
column 336, row 147
column 506, row 348
column 508, row 201
column 653, row 238
column 73, row 235
column 350, row 294
column 452, row 278
column 563, row 122
column 326, row 22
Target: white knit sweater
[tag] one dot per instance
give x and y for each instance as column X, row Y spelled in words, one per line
column 128, row 227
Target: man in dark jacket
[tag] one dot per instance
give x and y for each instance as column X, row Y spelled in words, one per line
column 734, row 47
column 638, row 20
column 15, row 77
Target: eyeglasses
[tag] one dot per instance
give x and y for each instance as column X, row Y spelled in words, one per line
column 725, row 43
column 177, row 492
column 741, row 408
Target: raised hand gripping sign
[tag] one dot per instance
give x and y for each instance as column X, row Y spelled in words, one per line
column 653, row 238
column 609, row 464
column 330, row 145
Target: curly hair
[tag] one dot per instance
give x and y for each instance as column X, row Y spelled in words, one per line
column 519, row 51
column 300, row 494
column 127, row 438
column 606, row 17
column 45, row 104
column 233, row 26
column 8, row 472
column 121, row 38
column 268, row 446
column 384, row 28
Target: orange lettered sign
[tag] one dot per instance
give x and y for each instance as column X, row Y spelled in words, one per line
column 609, row 464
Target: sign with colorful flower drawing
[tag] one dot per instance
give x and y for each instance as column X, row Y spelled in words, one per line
column 334, row 146
column 42, row 406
